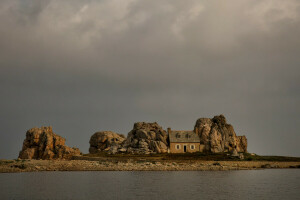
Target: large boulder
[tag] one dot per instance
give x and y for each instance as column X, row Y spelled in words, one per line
column 241, row 144
column 43, row 143
column 106, row 141
column 218, row 136
column 146, row 138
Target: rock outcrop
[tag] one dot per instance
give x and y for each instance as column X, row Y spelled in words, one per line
column 218, row 136
column 106, row 141
column 215, row 134
column 146, row 138
column 43, row 143
column 241, row 144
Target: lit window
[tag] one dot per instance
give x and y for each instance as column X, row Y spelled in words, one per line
column 192, row 146
column 177, row 146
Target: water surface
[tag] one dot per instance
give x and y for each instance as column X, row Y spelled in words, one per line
column 250, row 184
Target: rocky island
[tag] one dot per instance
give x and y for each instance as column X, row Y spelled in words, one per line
column 212, row 144
column 208, row 135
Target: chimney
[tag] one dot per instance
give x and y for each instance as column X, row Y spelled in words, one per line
column 169, row 130
column 197, row 130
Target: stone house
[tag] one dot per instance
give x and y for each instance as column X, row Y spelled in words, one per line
column 184, row 141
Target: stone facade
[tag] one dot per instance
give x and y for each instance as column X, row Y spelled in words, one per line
column 183, row 141
column 209, row 135
column 184, row 147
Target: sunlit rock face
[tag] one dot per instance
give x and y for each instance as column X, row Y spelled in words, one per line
column 218, row 136
column 107, row 141
column 242, row 144
column 146, row 138
column 43, row 143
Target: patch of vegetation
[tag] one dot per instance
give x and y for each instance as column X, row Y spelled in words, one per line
column 192, row 156
column 217, row 164
column 19, row 160
column 4, row 162
column 141, row 161
column 250, row 157
column 202, row 156
column 21, row 166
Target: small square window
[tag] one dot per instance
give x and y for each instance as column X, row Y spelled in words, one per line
column 177, row 146
column 192, row 146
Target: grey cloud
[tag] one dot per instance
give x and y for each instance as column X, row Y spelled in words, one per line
column 84, row 66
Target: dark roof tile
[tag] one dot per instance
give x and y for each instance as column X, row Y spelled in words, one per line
column 184, row 136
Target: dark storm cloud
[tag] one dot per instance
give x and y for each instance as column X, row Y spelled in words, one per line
column 84, row 66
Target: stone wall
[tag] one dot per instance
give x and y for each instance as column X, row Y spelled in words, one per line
column 173, row 148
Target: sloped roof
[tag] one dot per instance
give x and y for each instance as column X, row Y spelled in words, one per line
column 184, row 136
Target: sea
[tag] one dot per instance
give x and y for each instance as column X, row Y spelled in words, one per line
column 172, row 185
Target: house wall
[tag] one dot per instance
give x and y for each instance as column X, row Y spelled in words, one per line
column 202, row 147
column 173, row 148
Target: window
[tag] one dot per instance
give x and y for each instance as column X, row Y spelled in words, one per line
column 177, row 135
column 177, row 146
column 192, row 146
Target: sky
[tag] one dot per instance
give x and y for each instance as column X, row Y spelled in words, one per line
column 94, row 65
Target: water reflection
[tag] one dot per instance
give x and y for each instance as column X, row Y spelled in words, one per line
column 254, row 184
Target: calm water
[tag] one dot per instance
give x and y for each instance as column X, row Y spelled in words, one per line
column 255, row 184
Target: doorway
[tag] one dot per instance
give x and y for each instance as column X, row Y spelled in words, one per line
column 184, row 148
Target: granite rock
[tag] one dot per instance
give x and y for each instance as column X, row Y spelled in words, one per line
column 107, row 141
column 146, row 138
column 218, row 136
column 43, row 143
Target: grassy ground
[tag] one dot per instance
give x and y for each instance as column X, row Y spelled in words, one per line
column 154, row 162
column 196, row 156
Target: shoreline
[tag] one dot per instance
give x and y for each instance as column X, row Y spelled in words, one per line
column 15, row 166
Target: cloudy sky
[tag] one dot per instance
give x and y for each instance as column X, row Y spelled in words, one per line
column 87, row 66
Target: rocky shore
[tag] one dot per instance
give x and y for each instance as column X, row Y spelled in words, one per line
column 146, row 148
column 12, row 166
